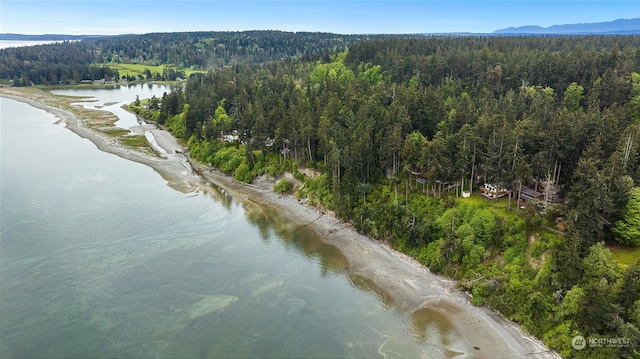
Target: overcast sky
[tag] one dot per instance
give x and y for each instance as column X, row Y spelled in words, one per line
column 344, row 17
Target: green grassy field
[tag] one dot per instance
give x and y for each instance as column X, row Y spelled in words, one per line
column 498, row 207
column 625, row 255
column 138, row 69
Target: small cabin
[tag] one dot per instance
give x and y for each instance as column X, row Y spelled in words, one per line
column 528, row 194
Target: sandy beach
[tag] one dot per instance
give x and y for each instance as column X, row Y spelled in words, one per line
column 411, row 287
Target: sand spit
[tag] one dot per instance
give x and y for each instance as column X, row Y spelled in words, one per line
column 171, row 167
column 411, row 287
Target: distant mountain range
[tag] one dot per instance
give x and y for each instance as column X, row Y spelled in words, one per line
column 620, row 26
column 44, row 37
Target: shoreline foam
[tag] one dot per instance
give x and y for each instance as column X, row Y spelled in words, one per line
column 412, row 288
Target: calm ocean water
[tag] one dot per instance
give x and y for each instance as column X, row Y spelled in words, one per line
column 100, row 258
column 16, row 43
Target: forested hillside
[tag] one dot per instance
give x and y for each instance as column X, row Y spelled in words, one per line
column 396, row 129
column 89, row 59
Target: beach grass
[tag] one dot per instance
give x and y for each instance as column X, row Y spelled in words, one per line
column 114, row 131
column 134, row 141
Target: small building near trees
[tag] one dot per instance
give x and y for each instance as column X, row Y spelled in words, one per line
column 493, row 191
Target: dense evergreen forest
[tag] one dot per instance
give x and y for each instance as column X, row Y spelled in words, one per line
column 397, row 130
column 89, row 59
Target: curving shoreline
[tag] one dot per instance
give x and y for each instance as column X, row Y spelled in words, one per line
column 412, row 288
column 171, row 168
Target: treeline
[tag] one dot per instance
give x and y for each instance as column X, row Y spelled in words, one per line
column 75, row 60
column 391, row 124
column 65, row 62
column 212, row 50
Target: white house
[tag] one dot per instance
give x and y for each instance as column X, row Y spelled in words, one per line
column 493, row 191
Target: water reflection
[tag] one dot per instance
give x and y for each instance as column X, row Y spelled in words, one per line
column 428, row 326
column 300, row 238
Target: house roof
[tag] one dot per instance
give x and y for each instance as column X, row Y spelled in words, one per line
column 531, row 193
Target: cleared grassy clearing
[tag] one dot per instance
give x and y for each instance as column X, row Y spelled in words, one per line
column 138, row 69
column 624, row 254
column 498, row 207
